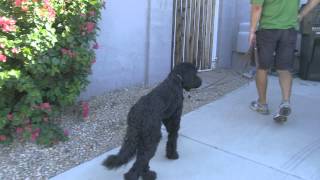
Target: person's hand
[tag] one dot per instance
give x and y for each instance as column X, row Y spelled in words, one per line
column 252, row 38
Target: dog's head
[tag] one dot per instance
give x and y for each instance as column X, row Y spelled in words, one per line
column 187, row 73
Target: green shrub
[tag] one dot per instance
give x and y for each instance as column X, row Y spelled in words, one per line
column 46, row 54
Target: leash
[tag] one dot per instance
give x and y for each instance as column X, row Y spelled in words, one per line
column 253, row 62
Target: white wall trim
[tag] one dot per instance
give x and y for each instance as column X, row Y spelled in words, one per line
column 215, row 32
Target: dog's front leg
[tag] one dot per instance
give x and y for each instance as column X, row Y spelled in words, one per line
column 172, row 125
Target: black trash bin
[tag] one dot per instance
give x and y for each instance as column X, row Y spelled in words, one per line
column 310, row 46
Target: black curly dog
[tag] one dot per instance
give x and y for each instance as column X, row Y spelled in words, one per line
column 163, row 104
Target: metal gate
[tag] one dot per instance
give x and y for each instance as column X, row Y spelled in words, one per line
column 193, row 32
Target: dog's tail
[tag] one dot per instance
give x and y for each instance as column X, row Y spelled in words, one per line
column 126, row 153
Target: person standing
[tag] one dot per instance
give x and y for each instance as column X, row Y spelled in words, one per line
column 273, row 29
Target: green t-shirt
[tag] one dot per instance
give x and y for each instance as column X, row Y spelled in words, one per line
column 278, row 14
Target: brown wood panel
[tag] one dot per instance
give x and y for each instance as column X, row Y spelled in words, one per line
column 193, row 32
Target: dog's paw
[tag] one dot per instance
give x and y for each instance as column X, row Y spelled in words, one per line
column 173, row 155
column 150, row 175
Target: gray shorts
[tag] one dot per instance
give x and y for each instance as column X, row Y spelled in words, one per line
column 276, row 48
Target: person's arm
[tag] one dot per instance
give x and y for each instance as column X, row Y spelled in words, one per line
column 256, row 10
column 309, row 7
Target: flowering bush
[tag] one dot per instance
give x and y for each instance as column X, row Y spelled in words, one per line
column 46, row 54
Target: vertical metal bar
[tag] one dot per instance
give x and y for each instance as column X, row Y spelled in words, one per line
column 192, row 30
column 211, row 33
column 147, row 45
column 198, row 32
column 173, row 49
column 181, row 32
column 207, row 34
column 184, row 32
column 215, row 33
column 181, row 3
column 189, row 31
column 202, row 33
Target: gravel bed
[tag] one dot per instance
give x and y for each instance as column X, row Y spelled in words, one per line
column 102, row 131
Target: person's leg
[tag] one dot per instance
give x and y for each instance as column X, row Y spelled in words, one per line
column 262, row 83
column 285, row 80
column 266, row 44
column 284, row 63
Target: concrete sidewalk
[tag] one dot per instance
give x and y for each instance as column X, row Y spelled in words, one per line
column 225, row 140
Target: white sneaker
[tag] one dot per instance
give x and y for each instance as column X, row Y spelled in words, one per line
column 260, row 108
column 283, row 113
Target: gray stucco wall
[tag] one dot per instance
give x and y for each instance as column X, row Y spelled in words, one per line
column 232, row 13
column 125, row 47
column 239, row 59
column 226, row 32
column 160, row 40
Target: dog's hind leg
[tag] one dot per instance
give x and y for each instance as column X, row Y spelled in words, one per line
column 146, row 150
column 172, row 125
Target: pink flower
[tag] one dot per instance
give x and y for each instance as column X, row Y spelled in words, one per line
column 3, row 138
column 85, row 109
column 19, row 130
column 11, row 22
column 68, row 52
column 24, row 8
column 45, row 106
column 66, row 132
column 7, row 25
column 2, row 46
column 52, row 13
column 95, row 46
column 3, row 20
column 48, row 7
column 7, row 28
column 10, row 116
column 3, row 58
column 19, row 2
column 90, row 26
column 35, row 134
column 15, row 50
